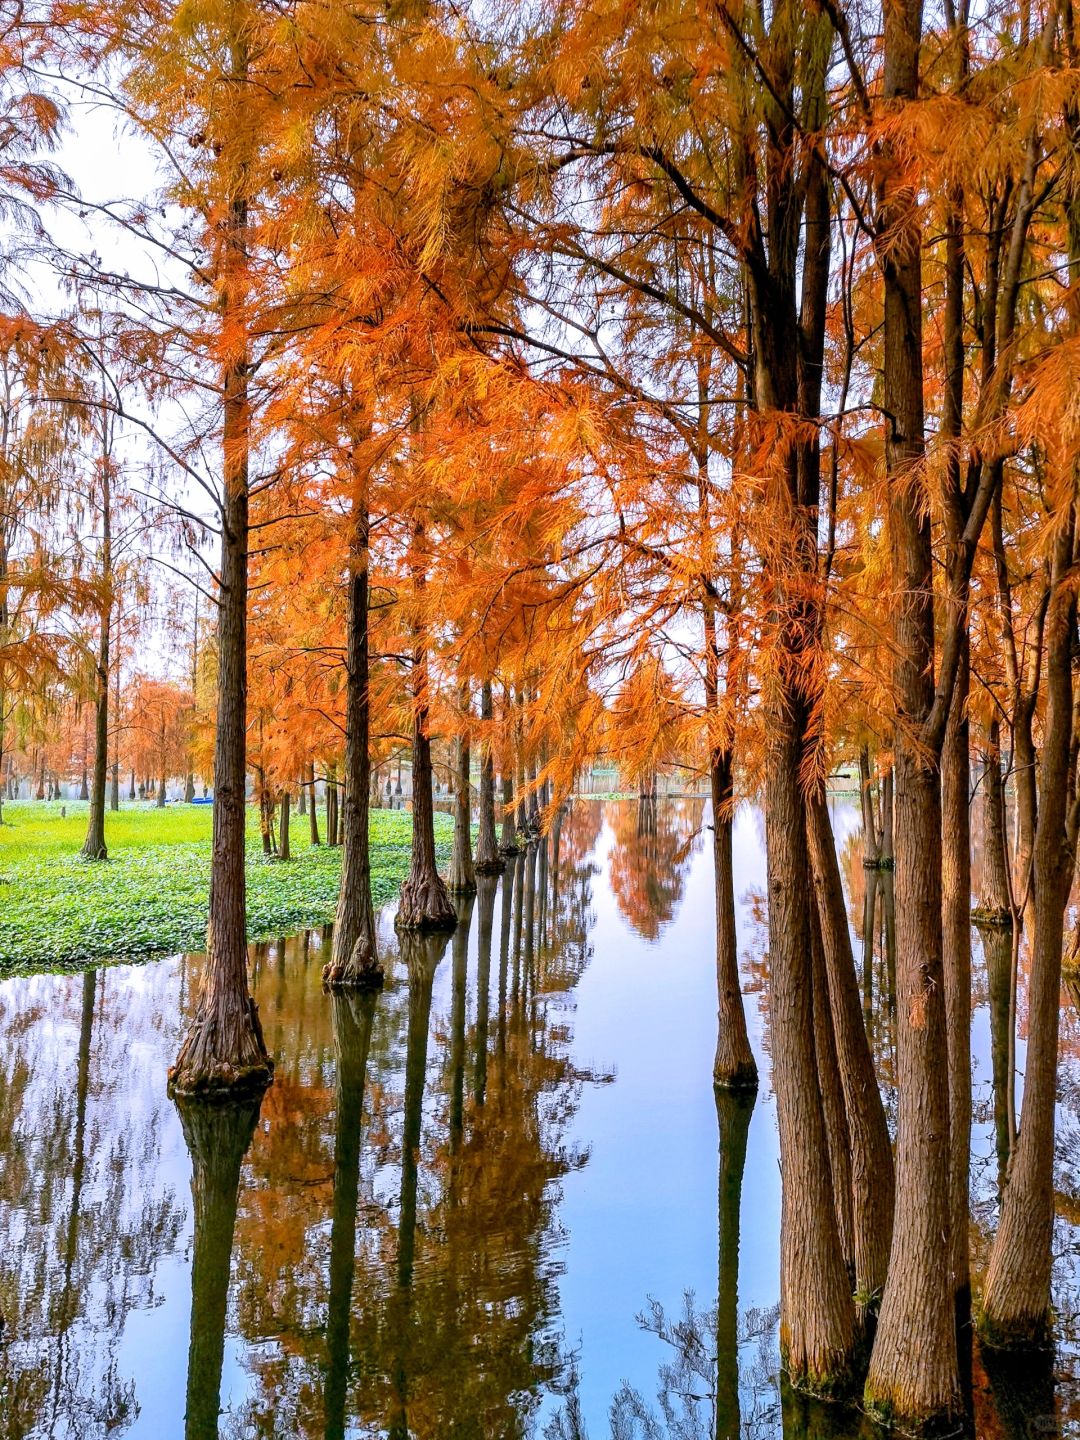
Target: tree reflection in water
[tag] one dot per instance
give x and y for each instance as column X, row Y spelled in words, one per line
column 386, row 1257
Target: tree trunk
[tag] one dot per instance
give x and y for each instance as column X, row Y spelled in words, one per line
column 301, row 797
column 332, row 813
column 508, row 844
column 217, row 1139
column 872, row 1178
column 994, row 901
column 837, row 1133
column 224, row 1049
column 94, row 845
column 956, row 955
column 914, row 1371
column 734, row 1066
column 425, row 903
column 355, row 957
column 283, row 850
column 488, row 859
column 313, row 809
column 462, row 876
column 871, row 839
column 1016, row 1301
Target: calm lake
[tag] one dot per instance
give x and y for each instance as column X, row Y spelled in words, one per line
column 459, row 1200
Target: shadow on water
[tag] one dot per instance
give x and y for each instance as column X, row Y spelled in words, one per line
column 442, row 1217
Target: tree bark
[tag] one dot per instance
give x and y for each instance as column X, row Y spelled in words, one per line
column 734, row 1066
column 313, row 809
column 94, row 847
column 355, row 956
column 914, row 1371
column 995, row 900
column 837, row 1133
column 488, row 859
column 1016, row 1301
column 425, row 903
column 224, row 1049
column 872, row 1178
column 956, row 954
column 508, row 844
column 462, row 877
column 283, row 850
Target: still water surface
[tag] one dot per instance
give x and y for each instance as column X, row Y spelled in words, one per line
column 465, row 1207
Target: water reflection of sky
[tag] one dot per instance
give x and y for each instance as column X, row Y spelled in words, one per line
column 585, row 1185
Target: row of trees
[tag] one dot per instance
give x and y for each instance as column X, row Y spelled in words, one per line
column 687, row 383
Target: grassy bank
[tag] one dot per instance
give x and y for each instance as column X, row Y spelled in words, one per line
column 150, row 897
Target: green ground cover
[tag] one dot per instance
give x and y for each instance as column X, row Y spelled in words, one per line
column 150, row 897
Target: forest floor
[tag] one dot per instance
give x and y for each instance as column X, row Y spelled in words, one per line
column 150, row 897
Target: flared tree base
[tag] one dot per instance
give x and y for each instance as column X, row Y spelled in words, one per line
column 362, row 971
column 94, row 853
column 509, row 847
column 425, row 905
column 461, row 886
column 495, row 866
column 223, row 1057
column 991, row 918
column 1015, row 1332
column 741, row 1076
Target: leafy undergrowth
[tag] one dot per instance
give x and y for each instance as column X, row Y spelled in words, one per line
column 150, row 897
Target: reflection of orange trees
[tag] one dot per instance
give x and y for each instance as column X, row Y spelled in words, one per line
column 82, row 1226
column 654, row 842
column 453, row 1316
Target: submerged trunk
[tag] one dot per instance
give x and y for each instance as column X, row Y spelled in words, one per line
column 355, row 958
column 508, row 844
column 872, row 1177
column 956, row 955
column 734, row 1066
column 837, row 1133
column 1016, row 1302
column 488, row 859
column 425, row 902
column 994, row 901
column 871, row 839
column 462, row 877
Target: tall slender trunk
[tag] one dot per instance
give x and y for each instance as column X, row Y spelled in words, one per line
column 956, row 955
column 224, row 1049
column 462, row 876
column 871, row 839
column 914, row 1371
column 355, row 957
column 94, row 847
column 508, row 839
column 425, row 903
column 734, row 1066
column 313, row 809
column 1016, row 1301
column 837, row 1132
column 872, row 1178
column 283, row 850
column 994, row 899
column 333, row 837
column 488, row 859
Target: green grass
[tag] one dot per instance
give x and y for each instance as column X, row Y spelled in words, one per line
column 150, row 897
